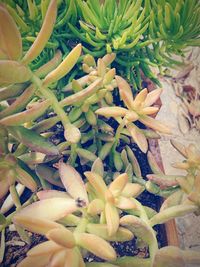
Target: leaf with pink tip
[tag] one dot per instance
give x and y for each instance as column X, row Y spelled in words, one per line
column 169, row 256
column 111, row 111
column 149, row 110
column 10, row 38
column 73, row 182
column 97, row 183
column 178, row 146
column 50, row 209
column 125, row 203
column 140, row 98
column 101, row 230
column 132, row 190
column 45, row 248
column 96, row 245
column 125, row 91
column 58, row 259
column 39, row 226
column 117, row 186
column 20, row 73
column 45, row 194
column 152, row 97
column 62, row 236
column 112, row 218
column 154, row 124
column 35, row 261
column 138, row 137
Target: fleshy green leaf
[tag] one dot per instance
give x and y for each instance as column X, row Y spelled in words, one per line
column 33, row 140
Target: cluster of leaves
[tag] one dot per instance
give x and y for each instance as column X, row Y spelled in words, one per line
column 143, row 34
column 90, row 215
column 31, row 108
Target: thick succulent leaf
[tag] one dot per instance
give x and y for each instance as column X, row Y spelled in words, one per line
column 80, row 96
column 109, row 58
column 30, row 223
column 153, row 164
column 35, row 261
column 58, row 259
column 172, row 212
column 8, row 202
column 96, row 245
column 140, row 98
column 125, row 203
column 138, row 137
column 97, row 183
column 178, row 146
column 173, row 200
column 12, row 91
column 50, row 65
column 64, row 67
column 33, row 140
column 73, row 182
column 45, row 194
column 101, row 230
column 117, row 186
column 154, row 124
column 111, row 112
column 45, row 248
column 26, row 116
column 132, row 190
column 62, row 236
column 43, row 35
column 49, row 174
column 20, row 103
column 71, row 133
column 67, row 257
column 133, row 161
column 139, row 228
column 13, row 72
column 169, row 256
column 152, row 97
column 125, row 91
column 112, row 218
column 49, row 209
column 98, row 167
column 96, row 206
column 164, row 180
column 10, row 38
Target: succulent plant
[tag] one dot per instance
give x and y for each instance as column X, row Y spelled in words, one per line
column 44, row 87
column 86, row 219
column 186, row 194
column 137, row 109
column 176, row 24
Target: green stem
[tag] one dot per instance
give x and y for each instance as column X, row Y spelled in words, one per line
column 73, row 154
column 48, row 94
column 117, row 134
column 15, row 196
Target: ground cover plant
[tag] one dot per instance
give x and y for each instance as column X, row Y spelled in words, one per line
column 72, row 103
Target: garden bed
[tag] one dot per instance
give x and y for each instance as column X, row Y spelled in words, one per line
column 16, row 249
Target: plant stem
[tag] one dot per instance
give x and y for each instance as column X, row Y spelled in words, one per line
column 48, row 94
column 118, row 133
column 15, row 197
